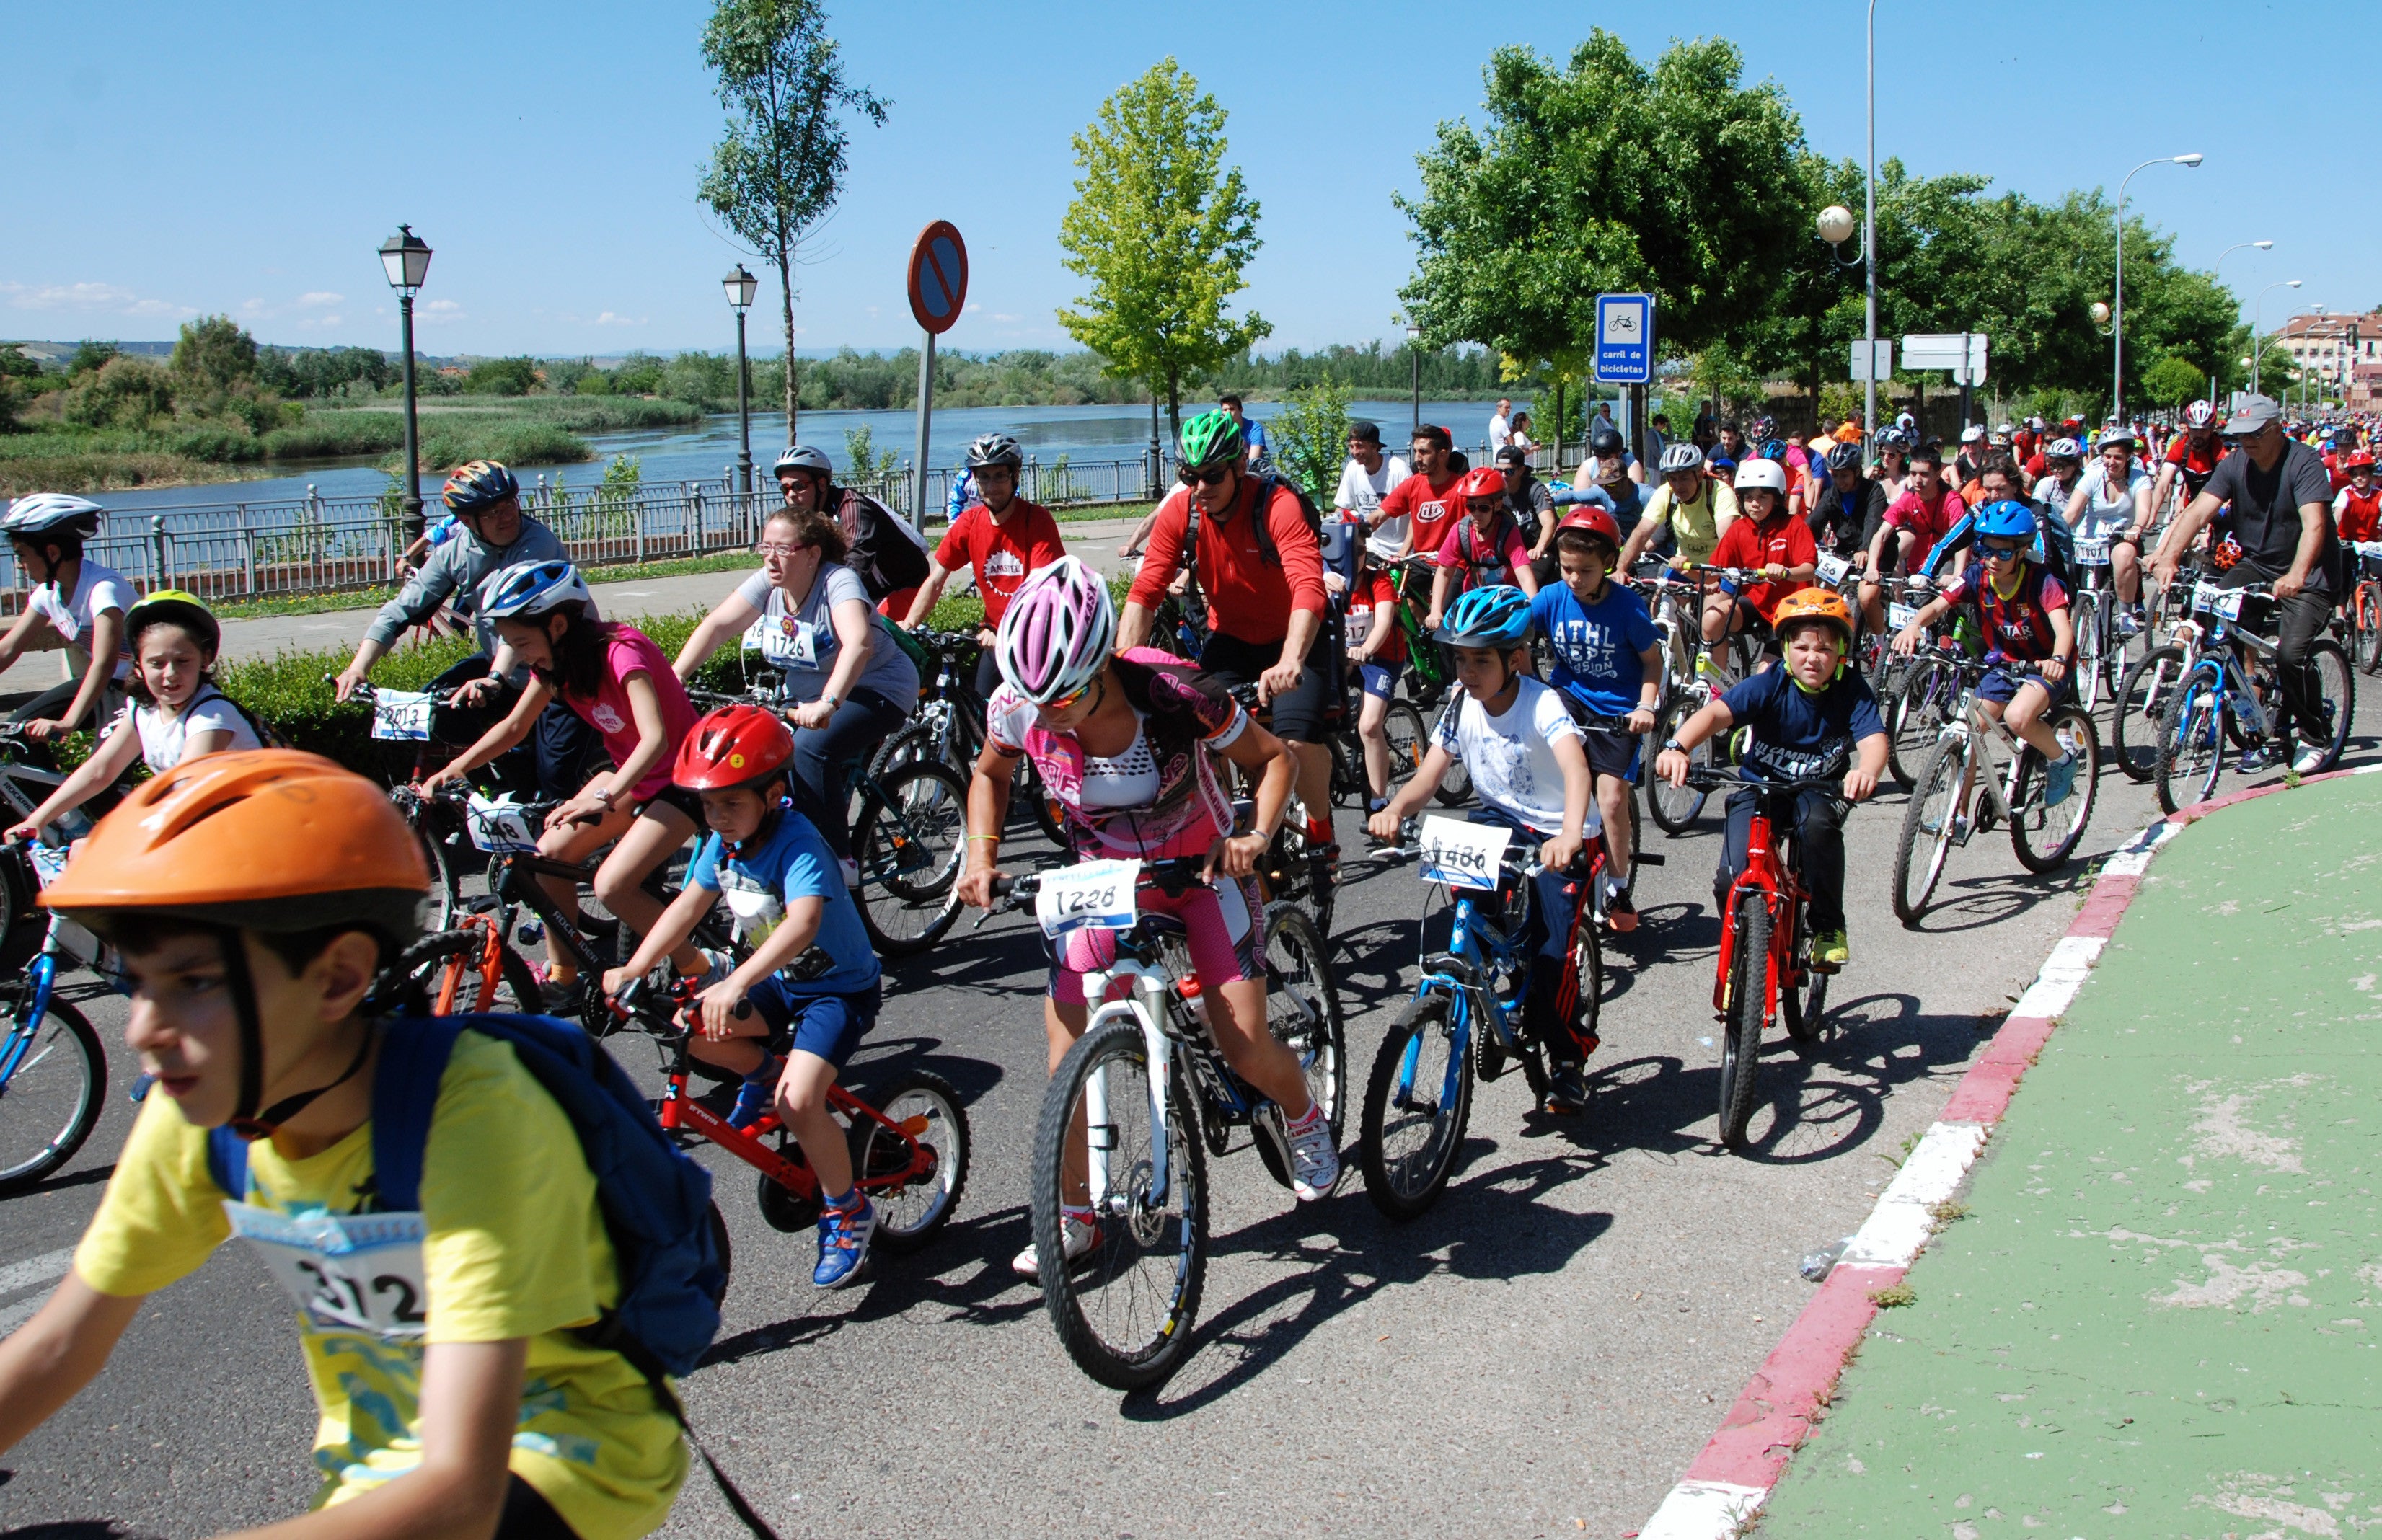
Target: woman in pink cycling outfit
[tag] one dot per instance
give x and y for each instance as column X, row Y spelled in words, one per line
column 1126, row 743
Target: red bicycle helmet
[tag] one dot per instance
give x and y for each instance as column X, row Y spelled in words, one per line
column 1594, row 522
column 1487, row 481
column 733, row 746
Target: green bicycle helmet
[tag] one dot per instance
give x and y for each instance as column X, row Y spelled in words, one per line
column 1209, row 437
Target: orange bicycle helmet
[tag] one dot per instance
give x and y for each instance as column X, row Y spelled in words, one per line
column 271, row 840
column 1814, row 603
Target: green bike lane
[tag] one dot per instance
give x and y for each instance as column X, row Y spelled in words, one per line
column 2161, row 1311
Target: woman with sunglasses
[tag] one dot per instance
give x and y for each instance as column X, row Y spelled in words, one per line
column 849, row 683
column 1127, row 742
column 2029, row 639
column 2112, row 502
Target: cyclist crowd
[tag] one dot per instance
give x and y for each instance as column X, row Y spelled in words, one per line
column 254, row 894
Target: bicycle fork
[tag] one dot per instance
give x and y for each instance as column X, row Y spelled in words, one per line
column 41, row 975
column 1146, row 1009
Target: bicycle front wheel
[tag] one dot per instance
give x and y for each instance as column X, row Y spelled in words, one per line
column 1302, row 1008
column 1930, row 827
column 914, row 1197
column 456, row 957
column 1741, row 1023
column 2044, row 836
column 907, row 842
column 2134, row 714
column 2192, row 740
column 1917, row 719
column 2336, row 699
column 1417, row 1102
column 1124, row 1310
column 49, row 1104
column 2367, row 613
column 2087, row 613
column 1408, row 742
column 1675, row 808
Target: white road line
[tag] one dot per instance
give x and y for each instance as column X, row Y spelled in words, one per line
column 1704, row 1510
column 2064, row 972
column 35, row 1270
column 1896, row 1231
column 17, row 1315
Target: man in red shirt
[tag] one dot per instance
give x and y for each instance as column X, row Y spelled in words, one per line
column 1914, row 523
column 1770, row 540
column 1266, row 603
column 1425, row 505
column 1002, row 536
column 2191, row 455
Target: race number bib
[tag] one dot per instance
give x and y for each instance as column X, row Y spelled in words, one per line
column 1901, row 616
column 49, row 861
column 2092, row 553
column 347, row 1272
column 1833, row 570
column 2223, row 603
column 1359, row 626
column 498, row 825
column 1095, row 893
column 401, row 714
column 1462, row 854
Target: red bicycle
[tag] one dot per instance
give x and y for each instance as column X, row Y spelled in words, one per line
column 1764, row 968
column 911, row 1157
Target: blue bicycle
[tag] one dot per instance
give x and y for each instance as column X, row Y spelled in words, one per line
column 1466, row 1016
column 52, row 1071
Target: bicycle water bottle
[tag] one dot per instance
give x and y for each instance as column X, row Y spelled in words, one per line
column 1194, row 998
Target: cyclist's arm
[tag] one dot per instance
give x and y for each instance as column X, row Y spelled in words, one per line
column 2181, row 533
column 1860, row 782
column 1258, row 751
column 1438, row 597
column 1136, row 542
column 856, row 632
column 653, row 743
column 2076, row 501
column 112, row 759
column 1133, row 625
column 729, row 618
column 1419, row 787
column 498, row 739
column 1877, row 548
column 1640, row 538
column 1579, row 795
column 470, row 1403
column 2167, row 479
column 2315, row 519
column 1714, row 719
column 46, row 1362
column 987, row 815
column 929, row 594
column 106, row 636
column 2062, row 640
column 20, row 635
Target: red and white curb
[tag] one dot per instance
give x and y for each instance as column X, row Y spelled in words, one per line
column 1726, row 1484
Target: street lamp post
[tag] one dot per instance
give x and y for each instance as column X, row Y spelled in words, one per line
column 2117, row 310
column 1868, row 241
column 2257, row 310
column 405, row 260
column 1414, row 349
column 740, row 286
column 2237, row 246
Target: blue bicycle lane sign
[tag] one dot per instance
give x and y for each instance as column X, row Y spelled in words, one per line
column 1625, row 338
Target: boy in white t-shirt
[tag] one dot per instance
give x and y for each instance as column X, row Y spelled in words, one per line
column 1529, row 766
column 75, row 600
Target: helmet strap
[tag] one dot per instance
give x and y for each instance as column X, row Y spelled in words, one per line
column 247, row 1121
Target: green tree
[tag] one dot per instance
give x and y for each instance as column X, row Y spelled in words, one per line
column 89, row 355
column 1605, row 176
column 15, row 364
column 1311, row 439
column 122, row 393
column 213, row 354
column 2172, row 381
column 1162, row 231
column 779, row 169
column 515, row 376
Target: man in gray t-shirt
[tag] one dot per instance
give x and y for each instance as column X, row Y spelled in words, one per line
column 2279, row 501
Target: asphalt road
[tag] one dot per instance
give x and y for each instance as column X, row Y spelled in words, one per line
column 1541, row 1354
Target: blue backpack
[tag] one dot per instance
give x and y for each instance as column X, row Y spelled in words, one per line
column 657, row 1202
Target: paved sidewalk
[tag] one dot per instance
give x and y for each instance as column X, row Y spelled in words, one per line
column 2162, row 1311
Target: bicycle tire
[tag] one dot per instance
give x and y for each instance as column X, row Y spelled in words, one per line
column 74, row 1087
column 1298, row 964
column 1939, row 786
column 1748, row 1004
column 915, row 739
column 2141, row 699
column 2368, row 615
column 2336, row 688
column 902, row 1225
column 2089, row 629
column 1917, row 719
column 2191, row 739
column 1409, row 741
column 446, row 883
column 1803, row 1007
column 2074, row 727
column 1404, row 1187
column 1455, row 787
column 423, row 964
column 1676, row 808
column 1180, row 1268
column 907, row 842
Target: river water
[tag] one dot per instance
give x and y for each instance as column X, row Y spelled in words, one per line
column 1083, row 433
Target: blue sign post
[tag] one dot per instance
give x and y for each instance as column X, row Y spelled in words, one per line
column 1625, row 338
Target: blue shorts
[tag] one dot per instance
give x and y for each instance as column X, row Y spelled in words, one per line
column 2001, row 682
column 826, row 1026
column 1381, row 679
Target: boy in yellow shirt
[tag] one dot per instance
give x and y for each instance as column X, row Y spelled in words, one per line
column 254, row 898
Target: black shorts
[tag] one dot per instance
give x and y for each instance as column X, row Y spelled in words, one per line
column 681, row 799
column 1612, row 750
column 1302, row 711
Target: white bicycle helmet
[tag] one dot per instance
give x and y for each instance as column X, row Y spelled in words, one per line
column 42, row 511
column 1681, row 457
column 1057, row 634
column 2200, row 414
column 1761, row 475
column 2064, row 448
column 533, row 588
column 802, row 456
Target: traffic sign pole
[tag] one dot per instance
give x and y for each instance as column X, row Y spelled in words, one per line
column 938, row 276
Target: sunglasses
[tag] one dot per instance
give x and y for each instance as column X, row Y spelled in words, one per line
column 1481, row 505
column 1214, row 475
column 1992, row 551
column 1067, row 702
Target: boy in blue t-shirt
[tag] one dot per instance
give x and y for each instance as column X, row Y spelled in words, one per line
column 1609, row 671
column 1804, row 717
column 812, row 982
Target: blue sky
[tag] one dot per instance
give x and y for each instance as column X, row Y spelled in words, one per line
column 173, row 159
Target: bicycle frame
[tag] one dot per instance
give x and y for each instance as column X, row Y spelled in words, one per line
column 1460, row 974
column 1970, row 720
column 678, row 1113
column 1770, row 871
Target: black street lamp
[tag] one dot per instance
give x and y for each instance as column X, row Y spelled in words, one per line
column 1414, row 346
column 740, row 286
column 407, row 261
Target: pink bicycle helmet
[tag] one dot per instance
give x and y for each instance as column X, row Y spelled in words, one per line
column 1058, row 632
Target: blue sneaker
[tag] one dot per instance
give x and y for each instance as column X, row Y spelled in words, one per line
column 844, row 1234
column 753, row 1099
column 2059, row 779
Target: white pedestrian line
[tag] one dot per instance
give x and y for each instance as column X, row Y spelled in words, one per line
column 1899, row 1226
column 35, row 1270
column 2064, row 973
column 17, row 1315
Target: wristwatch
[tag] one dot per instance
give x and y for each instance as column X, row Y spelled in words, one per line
column 1671, row 743
column 828, row 699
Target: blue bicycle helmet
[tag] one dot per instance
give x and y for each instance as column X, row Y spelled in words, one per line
column 1498, row 615
column 532, row 589
column 479, row 486
column 2004, row 519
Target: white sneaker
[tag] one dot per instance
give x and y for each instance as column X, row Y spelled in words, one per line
column 1081, row 1235
column 1314, row 1160
column 2309, row 762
